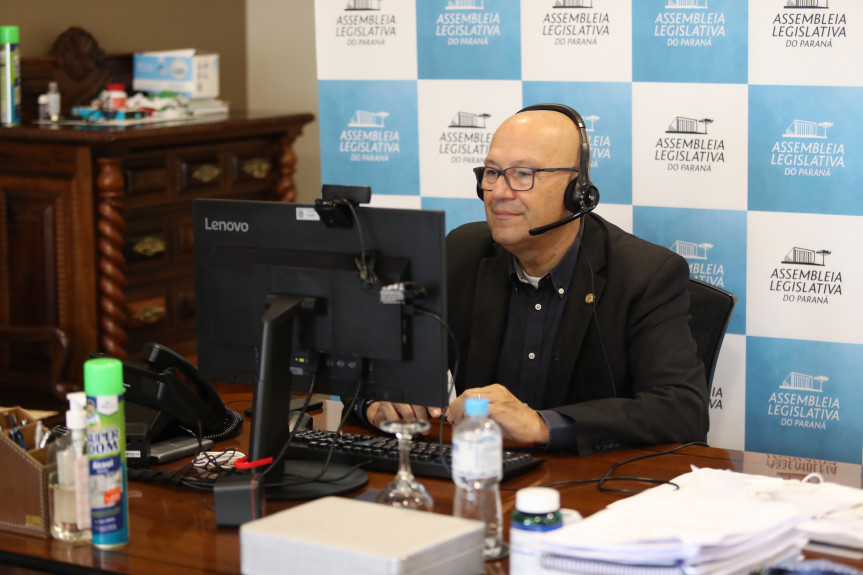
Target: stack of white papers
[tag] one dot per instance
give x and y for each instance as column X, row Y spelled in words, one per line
column 719, row 522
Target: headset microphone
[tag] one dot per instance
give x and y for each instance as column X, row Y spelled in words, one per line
column 557, row 224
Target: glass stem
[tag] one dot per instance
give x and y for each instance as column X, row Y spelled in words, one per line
column 404, row 454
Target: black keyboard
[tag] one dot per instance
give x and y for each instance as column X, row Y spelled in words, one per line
column 428, row 459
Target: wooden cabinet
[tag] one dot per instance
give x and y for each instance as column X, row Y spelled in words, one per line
column 96, row 224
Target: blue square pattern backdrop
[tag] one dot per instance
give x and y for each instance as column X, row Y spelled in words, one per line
column 803, row 397
column 802, row 145
column 369, row 135
column 713, row 242
column 772, row 87
column 689, row 41
column 458, row 41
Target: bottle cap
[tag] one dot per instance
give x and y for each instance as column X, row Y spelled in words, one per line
column 8, row 34
column 116, row 87
column 476, row 406
column 77, row 401
column 536, row 500
column 76, row 419
column 103, row 376
column 52, row 86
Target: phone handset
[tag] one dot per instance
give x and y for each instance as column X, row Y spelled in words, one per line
column 164, row 358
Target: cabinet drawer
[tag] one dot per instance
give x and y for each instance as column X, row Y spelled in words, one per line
column 146, row 176
column 159, row 239
column 253, row 166
column 163, row 312
column 200, row 172
column 147, row 244
column 144, row 310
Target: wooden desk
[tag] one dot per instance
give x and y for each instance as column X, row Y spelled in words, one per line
column 173, row 529
column 96, row 224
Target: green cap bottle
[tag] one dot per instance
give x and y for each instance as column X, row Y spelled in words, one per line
column 10, row 77
column 103, row 376
column 8, row 34
column 109, row 505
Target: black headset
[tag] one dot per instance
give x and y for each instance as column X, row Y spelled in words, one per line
column 581, row 196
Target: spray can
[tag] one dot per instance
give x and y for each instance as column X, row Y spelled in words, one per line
column 10, row 77
column 106, row 436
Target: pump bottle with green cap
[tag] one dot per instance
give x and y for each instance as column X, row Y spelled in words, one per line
column 106, row 419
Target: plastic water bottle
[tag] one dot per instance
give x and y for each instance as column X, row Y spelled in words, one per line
column 477, row 468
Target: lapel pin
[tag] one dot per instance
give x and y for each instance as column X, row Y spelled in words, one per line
column 589, row 298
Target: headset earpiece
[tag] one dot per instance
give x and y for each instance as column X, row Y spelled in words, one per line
column 580, row 199
column 580, row 196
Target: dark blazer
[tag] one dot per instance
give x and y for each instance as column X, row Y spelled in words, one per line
column 632, row 376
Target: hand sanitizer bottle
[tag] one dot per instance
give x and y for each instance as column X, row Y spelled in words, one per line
column 70, row 503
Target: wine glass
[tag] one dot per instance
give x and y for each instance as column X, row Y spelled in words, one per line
column 404, row 490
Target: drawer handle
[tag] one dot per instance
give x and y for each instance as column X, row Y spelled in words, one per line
column 206, row 173
column 149, row 246
column 150, row 314
column 258, row 168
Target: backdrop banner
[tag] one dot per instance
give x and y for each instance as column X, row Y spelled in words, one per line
column 725, row 130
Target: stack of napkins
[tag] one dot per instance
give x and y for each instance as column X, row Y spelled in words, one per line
column 717, row 522
column 338, row 535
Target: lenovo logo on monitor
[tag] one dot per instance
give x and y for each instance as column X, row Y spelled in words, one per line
column 225, row 226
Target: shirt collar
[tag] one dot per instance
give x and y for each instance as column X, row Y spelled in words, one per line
column 560, row 276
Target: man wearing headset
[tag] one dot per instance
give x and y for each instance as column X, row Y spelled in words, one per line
column 576, row 331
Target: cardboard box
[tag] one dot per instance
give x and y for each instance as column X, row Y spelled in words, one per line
column 185, row 72
column 340, row 535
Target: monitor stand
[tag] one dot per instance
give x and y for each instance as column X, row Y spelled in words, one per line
column 297, row 479
column 339, row 478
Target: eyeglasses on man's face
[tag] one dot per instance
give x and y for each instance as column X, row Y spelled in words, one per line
column 518, row 178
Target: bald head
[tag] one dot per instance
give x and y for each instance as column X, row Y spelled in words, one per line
column 552, row 138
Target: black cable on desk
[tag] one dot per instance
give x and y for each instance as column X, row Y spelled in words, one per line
column 601, row 481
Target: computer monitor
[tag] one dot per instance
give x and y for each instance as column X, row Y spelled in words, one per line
column 288, row 293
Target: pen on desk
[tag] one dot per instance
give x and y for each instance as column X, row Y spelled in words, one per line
column 39, row 433
column 18, row 437
column 51, row 434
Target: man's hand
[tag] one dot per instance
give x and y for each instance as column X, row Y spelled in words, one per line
column 381, row 411
column 518, row 420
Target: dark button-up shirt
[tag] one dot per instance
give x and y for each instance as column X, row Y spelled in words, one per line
column 530, row 354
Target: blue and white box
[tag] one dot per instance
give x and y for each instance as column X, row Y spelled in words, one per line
column 185, row 72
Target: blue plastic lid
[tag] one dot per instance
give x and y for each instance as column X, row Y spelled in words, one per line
column 476, row 406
